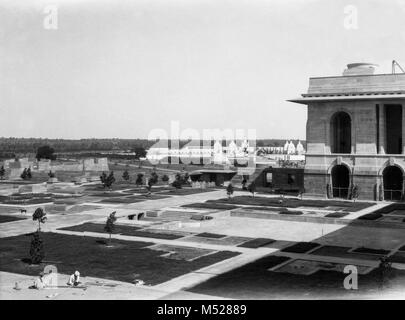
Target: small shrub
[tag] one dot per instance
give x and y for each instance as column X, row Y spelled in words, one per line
column 125, row 175
column 110, row 224
column 37, row 252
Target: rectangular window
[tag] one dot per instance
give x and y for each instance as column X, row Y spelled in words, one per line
column 269, row 177
column 377, row 115
column 393, row 125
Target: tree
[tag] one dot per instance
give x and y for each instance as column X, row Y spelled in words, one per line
column 110, row 179
column 165, row 178
column 103, row 178
column 229, row 190
column 37, row 252
column 154, row 177
column 252, row 188
column 139, row 179
column 2, row 172
column 152, row 181
column 107, row 181
column 125, row 175
column 110, row 224
column 29, row 174
column 355, row 193
column 40, row 216
column 186, row 177
column 244, row 182
column 177, row 183
column 140, row 152
column 45, row 152
column 384, row 269
column 24, row 174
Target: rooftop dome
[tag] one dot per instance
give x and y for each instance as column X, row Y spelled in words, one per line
column 359, row 68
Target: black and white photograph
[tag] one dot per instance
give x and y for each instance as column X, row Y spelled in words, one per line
column 215, row 151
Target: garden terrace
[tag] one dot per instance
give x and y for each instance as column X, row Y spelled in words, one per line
column 293, row 203
column 256, row 281
column 124, row 261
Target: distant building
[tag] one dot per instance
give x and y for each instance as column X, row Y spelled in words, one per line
column 217, row 154
column 217, row 177
column 355, row 134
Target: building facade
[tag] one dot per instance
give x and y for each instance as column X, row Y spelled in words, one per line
column 355, row 135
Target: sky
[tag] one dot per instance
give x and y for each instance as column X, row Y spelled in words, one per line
column 119, row 69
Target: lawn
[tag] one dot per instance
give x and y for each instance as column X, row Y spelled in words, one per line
column 185, row 191
column 4, row 219
column 371, row 251
column 393, row 210
column 133, row 199
column 148, row 197
column 28, row 202
column 125, row 261
column 336, row 215
column 208, row 205
column 210, row 235
column 127, row 231
column 35, row 198
column 25, row 199
column 226, row 241
column 392, row 207
column 257, row 243
column 107, row 194
column 117, row 200
column 301, row 247
column 370, row 216
column 255, row 281
column 343, row 252
column 292, row 203
column 398, row 257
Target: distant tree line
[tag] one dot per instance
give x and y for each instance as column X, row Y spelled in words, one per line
column 30, row 145
column 12, row 147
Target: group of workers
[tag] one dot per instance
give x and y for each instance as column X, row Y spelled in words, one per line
column 47, row 280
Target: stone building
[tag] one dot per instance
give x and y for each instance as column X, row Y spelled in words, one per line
column 355, row 134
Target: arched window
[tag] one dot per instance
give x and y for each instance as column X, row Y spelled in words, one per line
column 393, row 183
column 341, row 133
column 340, row 181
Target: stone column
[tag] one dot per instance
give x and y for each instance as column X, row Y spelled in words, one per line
column 403, row 128
column 327, row 146
column 382, row 130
